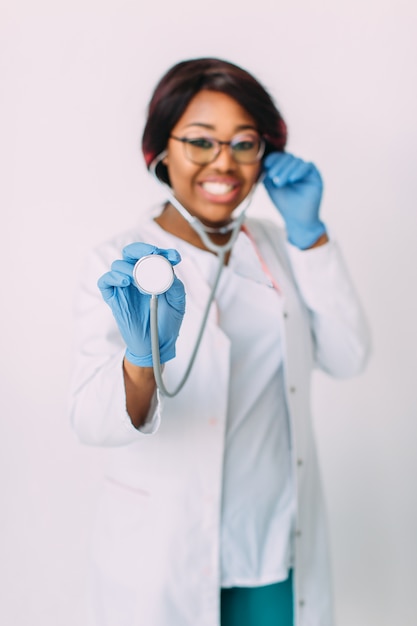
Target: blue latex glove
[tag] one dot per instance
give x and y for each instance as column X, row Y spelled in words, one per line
column 130, row 307
column 295, row 187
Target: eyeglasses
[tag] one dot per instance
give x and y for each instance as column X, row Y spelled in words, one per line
column 244, row 148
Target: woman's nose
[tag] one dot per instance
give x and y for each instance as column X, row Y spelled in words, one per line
column 224, row 160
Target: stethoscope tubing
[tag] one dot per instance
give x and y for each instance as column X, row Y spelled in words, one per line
column 157, row 368
column 221, row 252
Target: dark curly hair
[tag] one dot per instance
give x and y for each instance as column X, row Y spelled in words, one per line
column 184, row 80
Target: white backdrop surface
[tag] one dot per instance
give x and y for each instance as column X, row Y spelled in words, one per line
column 75, row 79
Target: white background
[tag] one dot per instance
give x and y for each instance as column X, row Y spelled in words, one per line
column 75, row 79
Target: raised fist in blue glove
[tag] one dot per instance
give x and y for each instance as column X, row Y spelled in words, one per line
column 295, row 187
column 131, row 310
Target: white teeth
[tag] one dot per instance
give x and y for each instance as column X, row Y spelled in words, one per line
column 217, row 189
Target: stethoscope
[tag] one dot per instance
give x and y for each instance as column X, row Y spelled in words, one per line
column 153, row 274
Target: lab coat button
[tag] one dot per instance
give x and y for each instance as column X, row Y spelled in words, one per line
column 298, row 533
column 300, row 462
column 285, row 314
column 301, row 603
column 292, row 389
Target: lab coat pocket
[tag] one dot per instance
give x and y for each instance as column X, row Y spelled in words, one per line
column 122, row 537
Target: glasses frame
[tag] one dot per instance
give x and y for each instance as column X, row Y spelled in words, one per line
column 219, row 144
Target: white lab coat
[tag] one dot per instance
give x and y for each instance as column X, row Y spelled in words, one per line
column 155, row 550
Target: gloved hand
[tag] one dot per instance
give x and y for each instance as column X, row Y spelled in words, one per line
column 295, row 187
column 130, row 307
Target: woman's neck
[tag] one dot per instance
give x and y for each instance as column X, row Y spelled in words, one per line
column 173, row 222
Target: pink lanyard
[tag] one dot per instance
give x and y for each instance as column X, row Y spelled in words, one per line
column 261, row 259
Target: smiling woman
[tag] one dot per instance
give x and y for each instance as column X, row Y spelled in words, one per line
column 232, row 532
column 214, row 187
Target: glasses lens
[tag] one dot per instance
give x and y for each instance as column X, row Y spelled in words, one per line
column 201, row 150
column 247, row 149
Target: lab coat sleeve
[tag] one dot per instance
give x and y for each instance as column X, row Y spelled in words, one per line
column 339, row 327
column 97, row 403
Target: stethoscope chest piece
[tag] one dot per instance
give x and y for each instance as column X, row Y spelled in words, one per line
column 153, row 274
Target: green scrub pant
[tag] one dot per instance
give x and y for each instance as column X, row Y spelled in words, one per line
column 271, row 605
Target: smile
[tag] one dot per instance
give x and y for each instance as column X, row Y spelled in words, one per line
column 218, row 189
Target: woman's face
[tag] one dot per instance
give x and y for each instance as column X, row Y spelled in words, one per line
column 211, row 192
